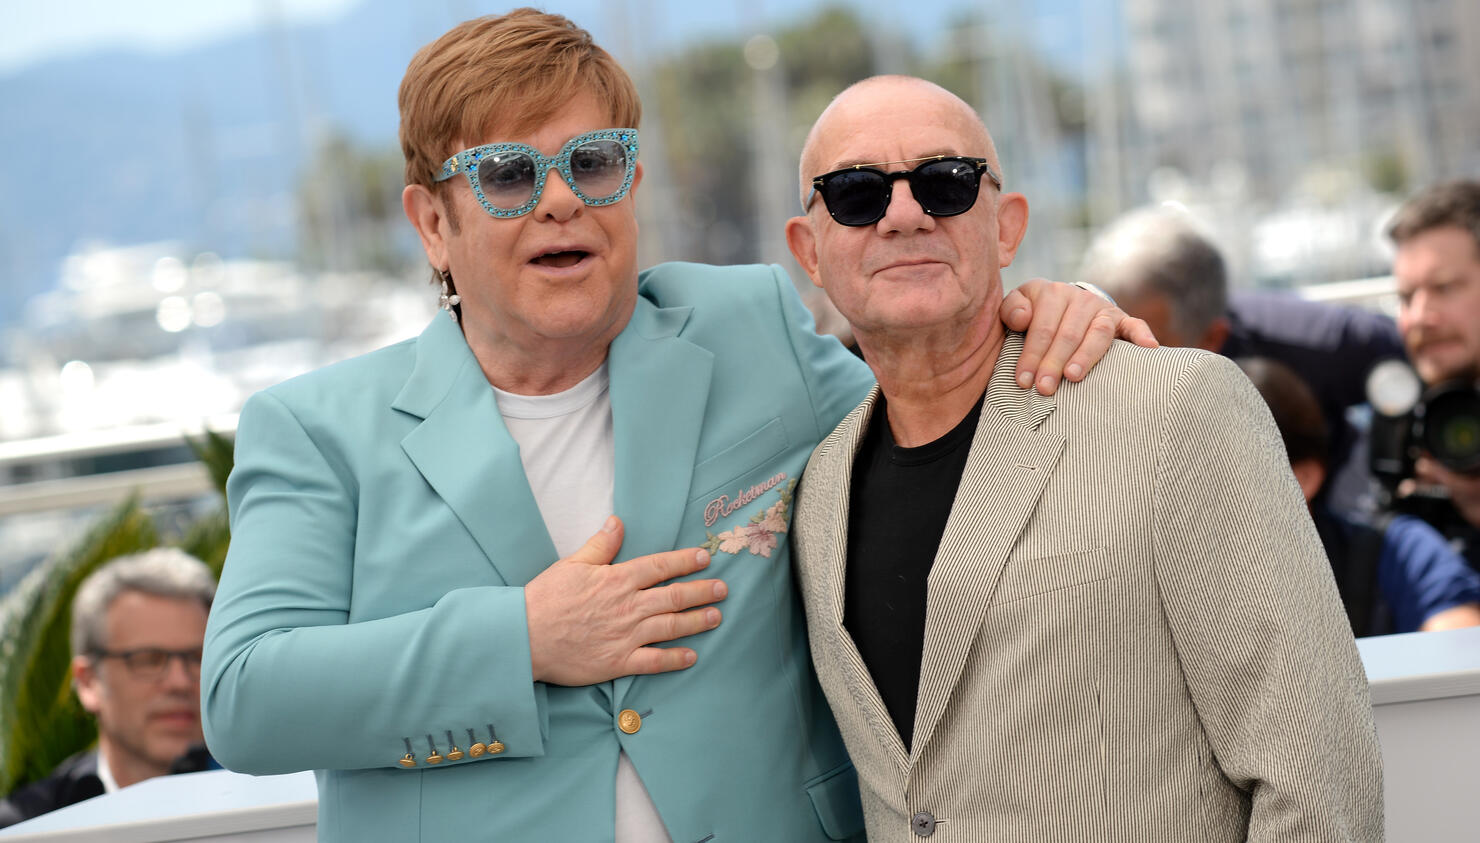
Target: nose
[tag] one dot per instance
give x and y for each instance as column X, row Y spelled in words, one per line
column 557, row 202
column 904, row 214
column 179, row 674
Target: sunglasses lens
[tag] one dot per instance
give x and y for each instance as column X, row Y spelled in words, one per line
column 507, row 179
column 599, row 168
column 856, row 197
column 945, row 188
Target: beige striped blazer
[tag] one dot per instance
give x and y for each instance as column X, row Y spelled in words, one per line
column 1132, row 632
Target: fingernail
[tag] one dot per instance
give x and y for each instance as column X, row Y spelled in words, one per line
column 720, row 590
column 1018, row 314
column 689, row 656
column 711, row 617
column 611, row 524
column 1074, row 371
column 1025, row 379
column 1045, row 384
column 702, row 557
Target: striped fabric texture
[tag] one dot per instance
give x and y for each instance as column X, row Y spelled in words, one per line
column 1132, row 632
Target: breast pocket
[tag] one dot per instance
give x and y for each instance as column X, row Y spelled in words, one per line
column 715, row 476
column 1026, row 578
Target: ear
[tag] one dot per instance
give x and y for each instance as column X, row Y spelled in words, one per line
column 88, row 683
column 636, row 177
column 1215, row 336
column 1012, row 224
column 1310, row 474
column 801, row 238
column 426, row 214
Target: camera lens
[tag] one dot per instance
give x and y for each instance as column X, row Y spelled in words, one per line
column 1451, row 426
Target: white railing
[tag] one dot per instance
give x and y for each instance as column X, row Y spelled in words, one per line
column 47, row 481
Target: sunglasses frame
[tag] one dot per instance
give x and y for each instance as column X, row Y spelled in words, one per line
column 819, row 182
column 466, row 162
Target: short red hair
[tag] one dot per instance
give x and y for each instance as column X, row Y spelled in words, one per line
column 508, row 72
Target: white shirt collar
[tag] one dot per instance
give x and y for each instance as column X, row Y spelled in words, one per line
column 105, row 774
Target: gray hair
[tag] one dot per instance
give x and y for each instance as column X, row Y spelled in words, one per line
column 1160, row 252
column 163, row 572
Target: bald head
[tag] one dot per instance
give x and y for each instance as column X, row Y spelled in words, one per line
column 844, row 127
column 910, row 279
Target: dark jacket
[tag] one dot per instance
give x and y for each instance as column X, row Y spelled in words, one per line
column 73, row 781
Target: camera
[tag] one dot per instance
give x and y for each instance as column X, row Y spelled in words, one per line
column 1407, row 420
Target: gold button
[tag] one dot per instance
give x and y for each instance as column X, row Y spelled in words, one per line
column 408, row 760
column 434, row 758
column 496, row 747
column 629, row 721
column 476, row 749
column 455, row 755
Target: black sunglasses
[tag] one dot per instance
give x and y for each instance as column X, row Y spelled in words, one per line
column 945, row 185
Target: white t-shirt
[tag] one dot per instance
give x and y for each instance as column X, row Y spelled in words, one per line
column 566, row 447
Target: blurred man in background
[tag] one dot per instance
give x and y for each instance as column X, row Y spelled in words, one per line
column 137, row 627
column 1395, row 572
column 1437, row 269
column 1160, row 267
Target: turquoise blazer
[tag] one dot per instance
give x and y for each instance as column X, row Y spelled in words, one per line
column 383, row 528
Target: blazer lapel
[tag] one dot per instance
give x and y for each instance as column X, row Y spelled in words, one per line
column 1006, row 472
column 834, row 485
column 659, row 392
column 466, row 454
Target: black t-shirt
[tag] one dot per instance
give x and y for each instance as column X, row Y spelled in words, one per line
column 900, row 500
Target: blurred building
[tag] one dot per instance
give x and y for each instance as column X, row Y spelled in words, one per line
column 1278, row 93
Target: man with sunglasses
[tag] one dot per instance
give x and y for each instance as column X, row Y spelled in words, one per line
column 137, row 625
column 419, row 601
column 1101, row 614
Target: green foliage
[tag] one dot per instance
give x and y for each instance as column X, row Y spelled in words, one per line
column 41, row 721
column 218, row 455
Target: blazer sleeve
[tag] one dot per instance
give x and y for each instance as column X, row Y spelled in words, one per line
column 837, row 380
column 289, row 683
column 1264, row 644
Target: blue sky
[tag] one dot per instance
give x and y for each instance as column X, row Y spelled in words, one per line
column 35, row 32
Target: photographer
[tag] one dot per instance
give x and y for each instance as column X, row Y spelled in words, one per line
column 1437, row 269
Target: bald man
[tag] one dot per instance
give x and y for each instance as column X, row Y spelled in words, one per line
column 1102, row 614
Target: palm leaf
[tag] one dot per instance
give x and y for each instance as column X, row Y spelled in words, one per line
column 216, row 453
column 206, row 539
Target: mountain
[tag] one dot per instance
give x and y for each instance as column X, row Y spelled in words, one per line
column 204, row 146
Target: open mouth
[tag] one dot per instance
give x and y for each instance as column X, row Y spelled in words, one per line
column 561, row 260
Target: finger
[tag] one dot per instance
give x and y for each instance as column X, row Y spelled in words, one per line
column 1427, row 470
column 674, row 625
column 1048, row 312
column 1136, row 331
column 1096, row 343
column 648, row 571
column 1017, row 309
column 601, row 548
column 658, row 660
column 681, row 595
column 1073, row 334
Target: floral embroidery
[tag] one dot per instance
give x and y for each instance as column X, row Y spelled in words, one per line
column 759, row 537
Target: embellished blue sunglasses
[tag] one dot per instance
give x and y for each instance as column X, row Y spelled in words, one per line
column 508, row 178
